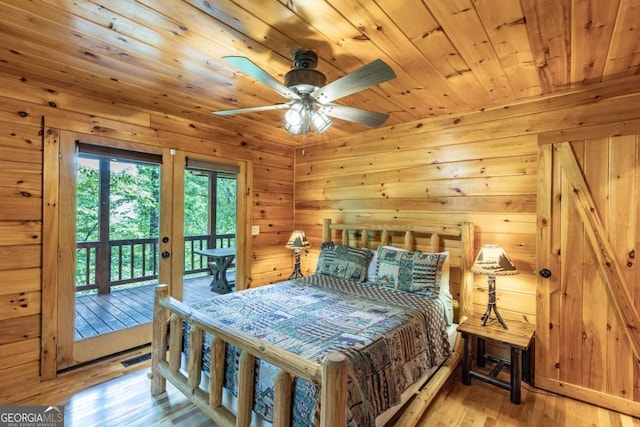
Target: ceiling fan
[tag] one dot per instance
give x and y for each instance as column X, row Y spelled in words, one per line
column 310, row 98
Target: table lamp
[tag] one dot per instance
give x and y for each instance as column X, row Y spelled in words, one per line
column 493, row 261
column 298, row 241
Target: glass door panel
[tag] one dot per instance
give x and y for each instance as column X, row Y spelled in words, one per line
column 209, row 230
column 117, row 235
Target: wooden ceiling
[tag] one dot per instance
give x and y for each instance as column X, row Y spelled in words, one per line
column 450, row 56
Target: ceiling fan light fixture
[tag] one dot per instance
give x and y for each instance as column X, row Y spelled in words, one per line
column 300, row 121
column 293, row 129
column 300, row 129
column 293, row 116
column 320, row 121
column 310, row 97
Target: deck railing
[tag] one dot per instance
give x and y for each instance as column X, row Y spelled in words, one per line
column 136, row 261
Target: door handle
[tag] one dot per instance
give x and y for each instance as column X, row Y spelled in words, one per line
column 545, row 272
column 165, row 254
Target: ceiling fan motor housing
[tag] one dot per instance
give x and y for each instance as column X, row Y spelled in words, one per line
column 303, row 76
column 304, row 80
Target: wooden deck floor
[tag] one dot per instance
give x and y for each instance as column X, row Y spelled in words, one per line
column 100, row 314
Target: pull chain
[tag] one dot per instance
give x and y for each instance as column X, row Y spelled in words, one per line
column 304, row 139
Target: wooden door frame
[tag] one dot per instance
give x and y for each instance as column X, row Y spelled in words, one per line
column 56, row 349
column 243, row 212
column 59, row 348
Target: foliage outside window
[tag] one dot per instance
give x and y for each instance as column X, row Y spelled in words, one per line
column 134, row 205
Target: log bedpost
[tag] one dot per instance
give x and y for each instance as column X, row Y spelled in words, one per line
column 194, row 366
column 408, row 240
column 333, row 403
column 364, row 239
column 326, row 230
column 282, row 404
column 384, row 238
column 345, row 237
column 466, row 279
column 435, row 242
column 159, row 339
column 175, row 343
column 216, row 372
column 246, row 369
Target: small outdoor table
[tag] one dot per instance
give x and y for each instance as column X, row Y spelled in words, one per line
column 220, row 260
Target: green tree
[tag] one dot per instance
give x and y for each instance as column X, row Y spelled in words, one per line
column 134, row 204
column 88, row 194
column 197, row 202
column 226, row 205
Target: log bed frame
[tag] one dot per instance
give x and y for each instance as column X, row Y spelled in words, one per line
column 331, row 374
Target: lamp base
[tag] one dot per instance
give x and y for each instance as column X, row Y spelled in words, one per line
column 296, row 269
column 492, row 304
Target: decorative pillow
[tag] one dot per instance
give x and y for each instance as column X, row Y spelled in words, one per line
column 427, row 272
column 327, row 254
column 388, row 271
column 344, row 262
column 409, row 270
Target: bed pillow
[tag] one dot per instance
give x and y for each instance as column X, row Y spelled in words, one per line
column 344, row 262
column 444, row 278
column 373, row 267
column 427, row 273
column 410, row 271
column 389, row 268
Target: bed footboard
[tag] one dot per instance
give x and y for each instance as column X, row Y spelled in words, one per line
column 168, row 316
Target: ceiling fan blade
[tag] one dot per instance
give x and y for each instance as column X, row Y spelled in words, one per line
column 357, row 115
column 372, row 74
column 279, row 106
column 251, row 69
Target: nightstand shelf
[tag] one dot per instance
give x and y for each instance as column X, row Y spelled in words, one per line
column 520, row 339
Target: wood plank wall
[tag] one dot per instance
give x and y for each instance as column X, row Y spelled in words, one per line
column 22, row 108
column 479, row 167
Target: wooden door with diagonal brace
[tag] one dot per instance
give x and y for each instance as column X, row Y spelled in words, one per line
column 588, row 297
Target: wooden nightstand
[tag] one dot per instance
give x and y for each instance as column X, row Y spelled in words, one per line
column 519, row 338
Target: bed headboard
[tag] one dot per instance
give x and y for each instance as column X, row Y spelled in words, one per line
column 455, row 238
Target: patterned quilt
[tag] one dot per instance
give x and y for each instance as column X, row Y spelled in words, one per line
column 391, row 338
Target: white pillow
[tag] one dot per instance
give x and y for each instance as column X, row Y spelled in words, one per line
column 373, row 267
column 444, row 278
column 445, row 292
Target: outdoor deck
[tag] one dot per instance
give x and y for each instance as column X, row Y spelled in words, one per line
column 101, row 314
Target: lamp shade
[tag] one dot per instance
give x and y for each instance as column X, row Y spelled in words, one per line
column 493, row 260
column 297, row 240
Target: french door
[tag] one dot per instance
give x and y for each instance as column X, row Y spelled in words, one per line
column 157, row 257
column 115, row 219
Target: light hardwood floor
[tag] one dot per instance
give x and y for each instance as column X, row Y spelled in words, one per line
column 109, row 394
